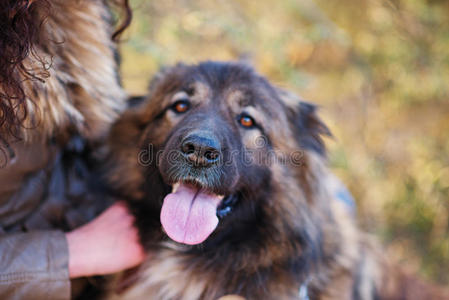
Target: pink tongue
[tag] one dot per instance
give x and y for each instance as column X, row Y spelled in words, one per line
column 189, row 216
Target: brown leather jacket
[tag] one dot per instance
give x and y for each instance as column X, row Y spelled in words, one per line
column 43, row 187
column 33, row 265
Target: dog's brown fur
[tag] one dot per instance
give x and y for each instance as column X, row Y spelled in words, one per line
column 287, row 231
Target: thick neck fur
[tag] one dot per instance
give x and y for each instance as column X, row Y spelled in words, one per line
column 273, row 264
column 82, row 93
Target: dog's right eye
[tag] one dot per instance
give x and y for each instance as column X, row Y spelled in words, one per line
column 181, row 106
column 246, row 121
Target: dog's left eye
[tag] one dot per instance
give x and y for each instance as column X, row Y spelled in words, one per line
column 181, row 106
column 246, row 121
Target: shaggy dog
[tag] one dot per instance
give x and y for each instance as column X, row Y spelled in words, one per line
column 234, row 170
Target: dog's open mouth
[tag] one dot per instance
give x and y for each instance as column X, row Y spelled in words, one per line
column 189, row 213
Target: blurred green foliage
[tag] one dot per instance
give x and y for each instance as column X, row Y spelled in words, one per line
column 378, row 68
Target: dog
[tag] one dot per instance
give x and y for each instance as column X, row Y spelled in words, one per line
column 227, row 177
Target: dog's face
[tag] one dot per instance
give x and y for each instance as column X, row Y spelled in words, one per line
column 220, row 130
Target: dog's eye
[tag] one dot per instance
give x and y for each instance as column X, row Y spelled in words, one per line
column 181, row 106
column 246, row 121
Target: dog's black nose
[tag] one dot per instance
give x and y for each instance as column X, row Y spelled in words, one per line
column 201, row 150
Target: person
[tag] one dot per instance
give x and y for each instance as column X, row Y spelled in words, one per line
column 59, row 94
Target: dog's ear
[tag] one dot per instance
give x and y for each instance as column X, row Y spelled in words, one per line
column 307, row 126
column 310, row 129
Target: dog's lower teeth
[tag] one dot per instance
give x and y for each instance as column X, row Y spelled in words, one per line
column 175, row 187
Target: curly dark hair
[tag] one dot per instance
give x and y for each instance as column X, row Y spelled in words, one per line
column 20, row 32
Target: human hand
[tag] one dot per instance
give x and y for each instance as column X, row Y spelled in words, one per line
column 106, row 245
